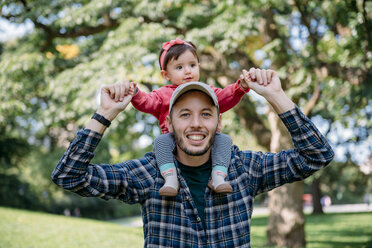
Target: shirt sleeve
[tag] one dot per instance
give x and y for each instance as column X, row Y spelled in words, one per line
column 229, row 96
column 311, row 153
column 148, row 102
column 128, row 181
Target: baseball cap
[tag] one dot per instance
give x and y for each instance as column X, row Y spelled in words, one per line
column 183, row 88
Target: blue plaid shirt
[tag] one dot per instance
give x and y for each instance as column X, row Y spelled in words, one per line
column 174, row 222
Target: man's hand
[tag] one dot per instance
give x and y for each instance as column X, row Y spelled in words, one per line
column 263, row 82
column 115, row 98
column 267, row 84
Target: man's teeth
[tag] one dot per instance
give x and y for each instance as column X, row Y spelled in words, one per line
column 196, row 137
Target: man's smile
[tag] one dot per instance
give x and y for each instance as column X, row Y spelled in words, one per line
column 195, row 137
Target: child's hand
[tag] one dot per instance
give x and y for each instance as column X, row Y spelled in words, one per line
column 244, row 81
column 132, row 88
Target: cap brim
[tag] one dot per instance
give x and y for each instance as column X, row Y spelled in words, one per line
column 182, row 89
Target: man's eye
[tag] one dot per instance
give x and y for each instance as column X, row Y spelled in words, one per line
column 206, row 115
column 185, row 115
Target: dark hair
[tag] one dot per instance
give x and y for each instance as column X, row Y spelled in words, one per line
column 175, row 51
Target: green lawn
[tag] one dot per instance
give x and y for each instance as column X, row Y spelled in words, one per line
column 341, row 230
column 27, row 229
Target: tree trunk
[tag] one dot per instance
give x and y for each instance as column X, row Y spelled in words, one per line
column 286, row 227
column 317, row 195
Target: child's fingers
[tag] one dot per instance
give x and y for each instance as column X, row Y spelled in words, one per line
column 246, row 75
column 133, row 88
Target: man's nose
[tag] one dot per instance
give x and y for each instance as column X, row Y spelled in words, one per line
column 195, row 121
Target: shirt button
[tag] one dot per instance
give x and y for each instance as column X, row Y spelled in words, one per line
column 187, row 198
column 198, row 219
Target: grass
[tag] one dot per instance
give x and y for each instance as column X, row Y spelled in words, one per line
column 332, row 230
column 25, row 229
column 20, row 228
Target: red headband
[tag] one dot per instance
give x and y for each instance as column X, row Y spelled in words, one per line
column 168, row 45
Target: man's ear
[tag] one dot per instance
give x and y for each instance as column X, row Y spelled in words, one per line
column 169, row 124
column 219, row 124
column 164, row 74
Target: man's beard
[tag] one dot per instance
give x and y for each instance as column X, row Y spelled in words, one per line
column 183, row 147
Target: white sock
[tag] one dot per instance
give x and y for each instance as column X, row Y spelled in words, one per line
column 218, row 175
column 169, row 173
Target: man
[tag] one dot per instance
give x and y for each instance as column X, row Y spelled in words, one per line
column 196, row 217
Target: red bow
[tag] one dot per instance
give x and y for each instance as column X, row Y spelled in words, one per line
column 171, row 43
column 167, row 46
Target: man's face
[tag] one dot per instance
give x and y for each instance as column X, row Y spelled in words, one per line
column 194, row 123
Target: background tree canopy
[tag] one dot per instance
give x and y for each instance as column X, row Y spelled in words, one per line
column 50, row 77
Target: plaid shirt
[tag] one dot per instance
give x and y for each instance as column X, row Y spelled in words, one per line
column 174, row 222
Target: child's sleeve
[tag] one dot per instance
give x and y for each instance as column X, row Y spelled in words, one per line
column 229, row 96
column 148, row 102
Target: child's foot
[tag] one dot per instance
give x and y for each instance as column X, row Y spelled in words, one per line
column 223, row 188
column 170, row 187
column 218, row 183
column 168, row 191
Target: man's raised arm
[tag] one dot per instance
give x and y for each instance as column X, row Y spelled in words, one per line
column 74, row 171
column 311, row 149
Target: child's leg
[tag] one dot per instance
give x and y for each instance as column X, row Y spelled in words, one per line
column 221, row 155
column 163, row 148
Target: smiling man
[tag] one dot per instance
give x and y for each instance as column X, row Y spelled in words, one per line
column 197, row 216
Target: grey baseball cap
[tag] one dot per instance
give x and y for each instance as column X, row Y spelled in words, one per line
column 183, row 88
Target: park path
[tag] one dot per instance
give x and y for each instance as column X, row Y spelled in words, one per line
column 345, row 208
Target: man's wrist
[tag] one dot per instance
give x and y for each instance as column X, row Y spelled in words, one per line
column 110, row 115
column 280, row 102
column 101, row 119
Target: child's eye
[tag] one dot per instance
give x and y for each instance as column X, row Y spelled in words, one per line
column 193, row 65
column 184, row 115
column 179, row 67
column 206, row 114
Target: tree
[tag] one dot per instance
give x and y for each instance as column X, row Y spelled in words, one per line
column 321, row 49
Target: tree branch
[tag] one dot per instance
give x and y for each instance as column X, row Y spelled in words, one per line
column 313, row 101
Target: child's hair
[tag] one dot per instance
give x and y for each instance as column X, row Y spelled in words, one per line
column 175, row 51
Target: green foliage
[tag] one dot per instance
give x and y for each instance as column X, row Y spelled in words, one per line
column 351, row 184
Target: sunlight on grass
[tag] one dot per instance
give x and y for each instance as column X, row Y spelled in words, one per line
column 341, row 230
column 21, row 228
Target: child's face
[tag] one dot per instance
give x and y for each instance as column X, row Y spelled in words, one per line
column 182, row 70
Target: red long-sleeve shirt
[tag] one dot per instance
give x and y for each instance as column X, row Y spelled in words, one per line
column 157, row 101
